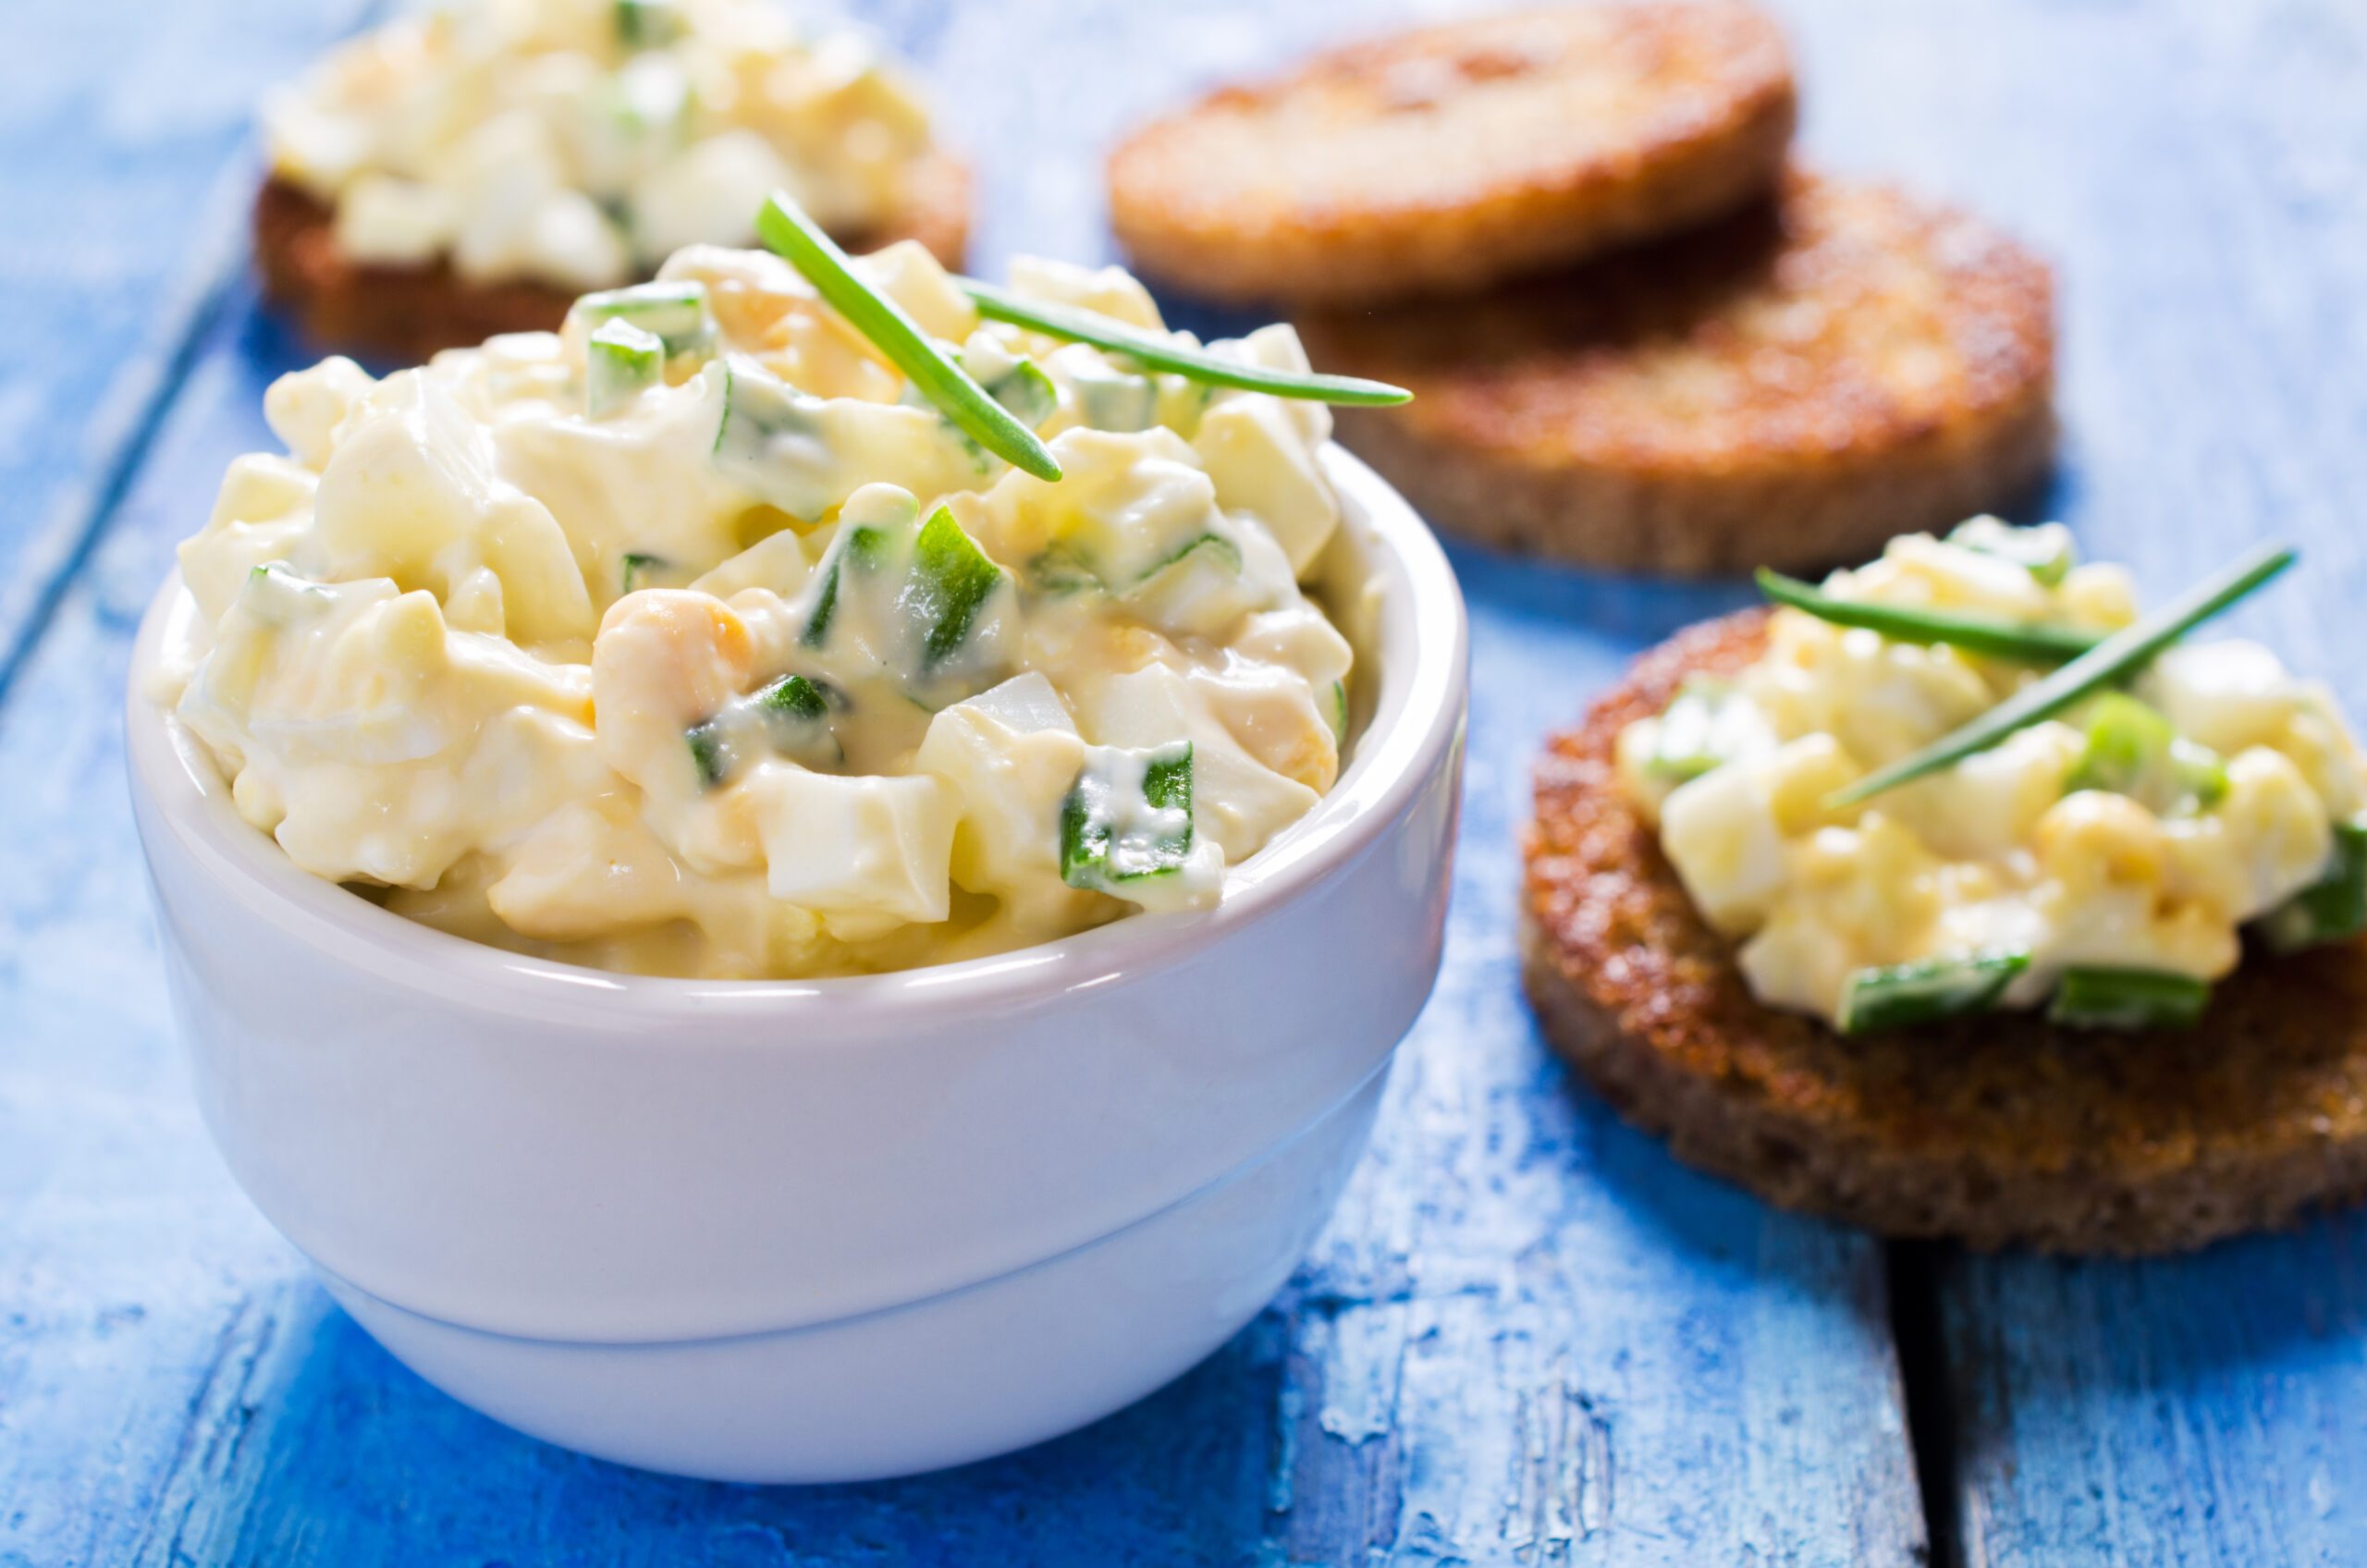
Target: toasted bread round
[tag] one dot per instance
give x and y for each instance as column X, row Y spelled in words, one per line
column 407, row 313
column 1791, row 386
column 1448, row 158
column 2000, row 1129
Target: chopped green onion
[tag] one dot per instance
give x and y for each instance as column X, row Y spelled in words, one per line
column 2133, row 750
column 1338, row 713
column 951, row 583
column 1927, row 991
column 784, row 226
column 1708, row 723
column 1128, row 816
column 2334, row 908
column 619, row 362
column 2046, row 550
column 1159, row 352
column 2128, row 998
column 2120, row 655
column 1974, row 634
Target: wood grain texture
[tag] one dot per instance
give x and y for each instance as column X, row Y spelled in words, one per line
column 2196, row 170
column 1528, row 1337
column 118, row 124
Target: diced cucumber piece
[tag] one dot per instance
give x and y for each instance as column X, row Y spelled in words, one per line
column 859, row 546
column 1708, row 723
column 1058, row 569
column 1127, row 818
column 1026, row 391
column 1019, row 385
column 2046, row 549
column 676, row 312
column 951, row 582
column 790, row 715
column 796, row 698
column 620, row 360
column 1111, row 399
column 771, row 439
column 2133, row 750
column 2128, row 998
column 640, row 571
column 647, row 24
column 1927, row 991
column 796, row 710
column 1213, row 548
column 276, row 596
column 2331, row 909
column 711, row 750
column 1339, row 715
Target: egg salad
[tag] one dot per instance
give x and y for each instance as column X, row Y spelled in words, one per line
column 2106, row 863
column 580, row 142
column 689, row 640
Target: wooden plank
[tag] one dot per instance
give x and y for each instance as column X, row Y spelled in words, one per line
column 118, row 119
column 1528, row 1336
column 2195, row 170
column 1528, row 1331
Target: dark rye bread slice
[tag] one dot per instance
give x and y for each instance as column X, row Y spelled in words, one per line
column 1998, row 1131
column 409, row 314
column 1790, row 388
column 1448, row 157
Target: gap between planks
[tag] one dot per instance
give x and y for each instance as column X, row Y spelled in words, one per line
column 1912, row 1271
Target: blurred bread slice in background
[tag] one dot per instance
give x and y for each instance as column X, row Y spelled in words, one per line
column 1452, row 157
column 406, row 314
column 1789, row 387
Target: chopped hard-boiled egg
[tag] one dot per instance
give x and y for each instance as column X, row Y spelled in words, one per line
column 577, row 143
column 2141, row 831
column 691, row 638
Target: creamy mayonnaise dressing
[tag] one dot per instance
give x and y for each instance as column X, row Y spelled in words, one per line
column 767, row 669
column 579, row 142
column 2023, row 849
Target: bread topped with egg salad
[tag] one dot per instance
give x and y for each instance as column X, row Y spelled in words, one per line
column 472, row 169
column 783, row 617
column 1954, row 897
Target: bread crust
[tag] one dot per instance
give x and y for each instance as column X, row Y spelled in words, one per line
column 1450, row 157
column 1789, row 387
column 409, row 314
column 1998, row 1131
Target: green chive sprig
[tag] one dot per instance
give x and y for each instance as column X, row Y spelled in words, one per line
column 1975, row 634
column 1156, row 352
column 2121, row 654
column 783, row 226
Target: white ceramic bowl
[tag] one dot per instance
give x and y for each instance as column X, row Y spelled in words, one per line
column 827, row 1230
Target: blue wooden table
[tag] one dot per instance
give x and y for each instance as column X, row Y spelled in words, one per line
column 1528, row 1336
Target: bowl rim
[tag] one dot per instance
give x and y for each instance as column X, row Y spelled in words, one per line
column 1421, row 695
